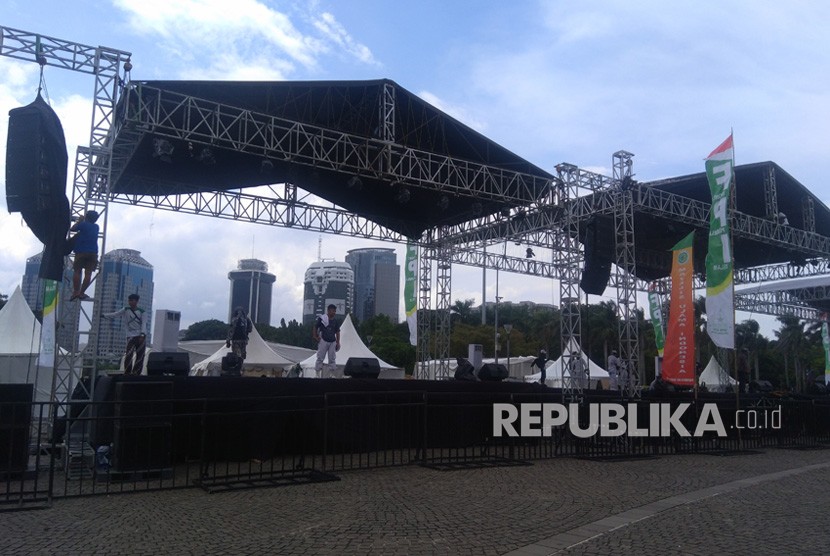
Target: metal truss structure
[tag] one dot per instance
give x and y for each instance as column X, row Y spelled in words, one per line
column 626, row 263
column 569, row 294
column 110, row 69
column 550, row 221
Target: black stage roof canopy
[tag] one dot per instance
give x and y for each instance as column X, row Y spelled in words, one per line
column 658, row 233
column 347, row 107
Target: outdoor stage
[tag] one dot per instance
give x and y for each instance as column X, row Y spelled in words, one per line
column 233, row 419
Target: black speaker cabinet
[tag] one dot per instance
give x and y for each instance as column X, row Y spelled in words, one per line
column 362, row 367
column 15, row 418
column 492, row 372
column 142, row 447
column 597, row 269
column 141, row 403
column 172, row 363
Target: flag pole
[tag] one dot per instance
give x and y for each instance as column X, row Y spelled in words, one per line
column 733, row 202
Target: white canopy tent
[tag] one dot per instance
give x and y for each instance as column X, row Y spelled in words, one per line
column 260, row 360
column 350, row 346
column 715, row 378
column 553, row 371
column 20, row 346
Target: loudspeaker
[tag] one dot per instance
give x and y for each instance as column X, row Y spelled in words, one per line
column 143, row 402
column 597, row 269
column 36, row 166
column 232, row 364
column 172, row 363
column 464, row 370
column 15, row 418
column 142, row 435
column 492, row 372
column 142, row 448
column 362, row 367
column 760, row 386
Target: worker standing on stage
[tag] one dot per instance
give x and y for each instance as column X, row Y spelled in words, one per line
column 613, row 371
column 326, row 332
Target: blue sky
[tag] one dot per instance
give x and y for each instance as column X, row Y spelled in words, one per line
column 551, row 81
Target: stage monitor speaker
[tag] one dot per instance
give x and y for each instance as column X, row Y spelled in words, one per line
column 171, row 363
column 492, row 372
column 362, row 367
column 15, row 418
column 760, row 386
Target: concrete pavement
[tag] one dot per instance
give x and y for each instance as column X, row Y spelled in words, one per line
column 767, row 503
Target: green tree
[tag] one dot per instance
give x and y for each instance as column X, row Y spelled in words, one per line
column 212, row 329
column 3, row 300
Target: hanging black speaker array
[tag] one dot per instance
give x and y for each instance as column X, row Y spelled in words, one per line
column 36, row 166
column 597, row 269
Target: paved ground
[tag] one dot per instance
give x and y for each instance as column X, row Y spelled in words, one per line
column 774, row 502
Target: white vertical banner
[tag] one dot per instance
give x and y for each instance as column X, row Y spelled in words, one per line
column 46, row 357
column 720, row 308
column 410, row 298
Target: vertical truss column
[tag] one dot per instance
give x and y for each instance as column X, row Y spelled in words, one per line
column 442, row 309
column 386, row 115
column 625, row 259
column 90, row 191
column 570, row 264
column 424, row 312
column 770, row 195
column 808, row 214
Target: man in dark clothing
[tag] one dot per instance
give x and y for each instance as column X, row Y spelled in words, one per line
column 241, row 326
column 743, row 370
column 540, row 362
column 326, row 332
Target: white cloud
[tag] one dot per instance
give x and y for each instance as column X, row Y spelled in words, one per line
column 240, row 39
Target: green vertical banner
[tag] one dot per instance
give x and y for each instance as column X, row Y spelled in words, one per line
column 410, row 287
column 720, row 309
column 656, row 311
column 825, row 341
column 46, row 357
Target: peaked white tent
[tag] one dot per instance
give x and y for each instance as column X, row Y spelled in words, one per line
column 553, row 370
column 350, row 346
column 259, row 360
column 715, row 378
column 20, row 346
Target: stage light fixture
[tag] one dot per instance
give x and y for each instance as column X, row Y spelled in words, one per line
column 355, row 183
column 444, row 202
column 206, row 157
column 163, row 150
column 403, row 195
column 476, row 208
column 505, row 212
column 266, row 166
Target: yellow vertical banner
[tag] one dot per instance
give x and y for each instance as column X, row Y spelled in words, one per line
column 679, row 351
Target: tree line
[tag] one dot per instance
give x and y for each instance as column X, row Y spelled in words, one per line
column 787, row 360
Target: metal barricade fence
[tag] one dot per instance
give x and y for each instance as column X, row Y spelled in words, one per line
column 146, row 440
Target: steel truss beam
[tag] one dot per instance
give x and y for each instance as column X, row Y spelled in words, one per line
column 165, row 113
column 280, row 209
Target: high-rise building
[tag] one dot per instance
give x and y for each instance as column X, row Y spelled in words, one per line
column 251, row 287
column 33, row 288
column 122, row 272
column 326, row 283
column 377, row 279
